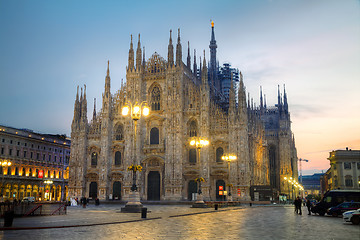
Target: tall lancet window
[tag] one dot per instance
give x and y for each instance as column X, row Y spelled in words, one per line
column 155, row 99
column 94, row 158
column 119, row 132
column 193, row 129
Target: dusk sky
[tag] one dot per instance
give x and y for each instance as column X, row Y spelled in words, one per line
column 47, row 48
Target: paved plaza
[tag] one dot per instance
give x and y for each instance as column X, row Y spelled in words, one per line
column 182, row 222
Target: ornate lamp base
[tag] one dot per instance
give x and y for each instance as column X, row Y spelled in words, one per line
column 133, row 205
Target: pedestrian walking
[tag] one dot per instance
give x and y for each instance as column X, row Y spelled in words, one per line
column 296, row 205
column 308, row 205
column 298, row 202
column 84, row 202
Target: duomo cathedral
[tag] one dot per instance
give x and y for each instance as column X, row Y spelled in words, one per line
column 196, row 98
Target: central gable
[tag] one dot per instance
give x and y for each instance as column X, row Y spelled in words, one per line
column 155, row 67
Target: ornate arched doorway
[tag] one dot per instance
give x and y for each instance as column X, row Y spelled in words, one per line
column 220, row 184
column 93, row 190
column 192, row 188
column 117, row 190
column 153, row 188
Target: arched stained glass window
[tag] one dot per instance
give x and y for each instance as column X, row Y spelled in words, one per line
column 219, row 154
column 118, row 158
column 155, row 99
column 192, row 155
column 154, row 136
column 94, row 157
column 193, row 129
column 119, row 132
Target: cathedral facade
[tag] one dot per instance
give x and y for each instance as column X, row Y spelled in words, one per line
column 185, row 101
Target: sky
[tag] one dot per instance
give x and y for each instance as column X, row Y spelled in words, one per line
column 47, row 48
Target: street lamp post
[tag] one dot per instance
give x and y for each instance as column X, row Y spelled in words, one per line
column 228, row 158
column 4, row 163
column 199, row 143
column 135, row 110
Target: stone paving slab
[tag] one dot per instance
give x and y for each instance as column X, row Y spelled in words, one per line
column 183, row 222
column 103, row 214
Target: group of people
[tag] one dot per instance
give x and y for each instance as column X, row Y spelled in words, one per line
column 85, row 201
column 298, row 203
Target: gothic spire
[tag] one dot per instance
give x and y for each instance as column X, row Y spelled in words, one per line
column 94, row 113
column 138, row 55
column 285, row 101
column 261, row 98
column 213, row 62
column 131, row 56
column 265, row 101
column 77, row 109
column 107, row 80
column 178, row 50
column 188, row 57
column 279, row 100
column 204, row 71
column 195, row 66
column 144, row 56
column 77, row 94
column 84, row 106
column 170, row 51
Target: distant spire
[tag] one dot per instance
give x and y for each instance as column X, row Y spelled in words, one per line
column 204, row 71
column 170, row 51
column 265, row 101
column 261, row 98
column 286, row 108
column 77, row 108
column 138, row 55
column 279, row 101
column 85, row 91
column 144, row 56
column 131, row 56
column 195, row 66
column 81, row 94
column 242, row 95
column 213, row 61
column 188, row 56
column 107, row 80
column 84, row 106
column 108, row 69
column 77, row 94
column 94, row 113
column 249, row 100
column 178, row 50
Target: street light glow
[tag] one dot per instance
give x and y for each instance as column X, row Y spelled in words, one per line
column 146, row 111
column 125, row 111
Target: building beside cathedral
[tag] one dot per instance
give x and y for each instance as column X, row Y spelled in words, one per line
column 185, row 101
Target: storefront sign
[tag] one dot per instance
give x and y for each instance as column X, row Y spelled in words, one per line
column 41, row 174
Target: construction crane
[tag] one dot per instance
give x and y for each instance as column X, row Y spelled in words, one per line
column 302, row 160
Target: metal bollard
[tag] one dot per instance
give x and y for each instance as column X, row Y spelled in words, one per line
column 143, row 212
column 216, row 206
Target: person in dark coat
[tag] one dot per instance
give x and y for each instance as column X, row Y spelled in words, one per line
column 298, row 204
column 308, row 205
column 84, row 202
